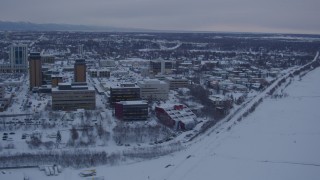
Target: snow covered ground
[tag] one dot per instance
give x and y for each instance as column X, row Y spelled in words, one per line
column 280, row 140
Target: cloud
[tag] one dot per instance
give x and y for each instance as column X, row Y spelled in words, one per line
column 229, row 15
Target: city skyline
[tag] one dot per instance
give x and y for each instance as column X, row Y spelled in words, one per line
column 272, row 16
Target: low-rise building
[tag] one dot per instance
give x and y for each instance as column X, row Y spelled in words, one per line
column 73, row 96
column 131, row 110
column 47, row 59
column 218, row 99
column 177, row 82
column 55, row 80
column 5, row 68
column 153, row 89
column 161, row 66
column 104, row 72
column 222, row 104
column 179, row 116
column 107, row 63
column 68, row 68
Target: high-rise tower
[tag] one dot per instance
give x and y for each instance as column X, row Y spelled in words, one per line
column 18, row 58
column 35, row 72
column 80, row 71
column 80, row 50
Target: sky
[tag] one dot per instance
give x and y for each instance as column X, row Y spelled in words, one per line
column 283, row 16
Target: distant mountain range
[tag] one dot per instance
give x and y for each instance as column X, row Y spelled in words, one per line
column 28, row 26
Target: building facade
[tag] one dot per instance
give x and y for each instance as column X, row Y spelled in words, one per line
column 107, row 63
column 177, row 82
column 80, row 70
column 99, row 72
column 47, row 59
column 35, row 71
column 161, row 66
column 69, row 97
column 153, row 89
column 124, row 92
column 18, row 58
column 80, row 50
column 178, row 117
column 55, row 80
column 131, row 110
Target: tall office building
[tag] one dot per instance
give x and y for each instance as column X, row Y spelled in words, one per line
column 80, row 50
column 18, row 58
column 35, row 72
column 80, row 71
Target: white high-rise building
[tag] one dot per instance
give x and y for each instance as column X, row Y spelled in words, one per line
column 153, row 89
column 19, row 58
column 80, row 50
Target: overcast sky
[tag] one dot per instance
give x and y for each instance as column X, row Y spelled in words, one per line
column 293, row 16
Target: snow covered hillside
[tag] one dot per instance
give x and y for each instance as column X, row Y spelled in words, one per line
column 280, row 140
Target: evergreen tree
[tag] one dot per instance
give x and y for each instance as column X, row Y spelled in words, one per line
column 74, row 134
column 58, row 139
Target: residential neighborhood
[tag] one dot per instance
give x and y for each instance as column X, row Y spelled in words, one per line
column 119, row 92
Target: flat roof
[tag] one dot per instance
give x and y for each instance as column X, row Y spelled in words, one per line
column 152, row 81
column 176, row 78
column 133, row 102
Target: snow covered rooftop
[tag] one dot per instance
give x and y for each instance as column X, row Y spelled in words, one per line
column 179, row 112
column 133, row 102
column 151, row 81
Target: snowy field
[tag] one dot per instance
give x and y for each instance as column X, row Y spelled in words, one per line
column 280, row 140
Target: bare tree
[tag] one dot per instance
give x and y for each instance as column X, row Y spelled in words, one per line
column 74, row 134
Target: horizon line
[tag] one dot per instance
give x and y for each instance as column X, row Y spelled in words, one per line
column 145, row 30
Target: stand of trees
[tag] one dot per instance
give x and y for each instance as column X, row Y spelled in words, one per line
column 77, row 158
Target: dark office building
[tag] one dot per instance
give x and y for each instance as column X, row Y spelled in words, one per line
column 55, row 80
column 124, row 92
column 131, row 110
column 161, row 66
